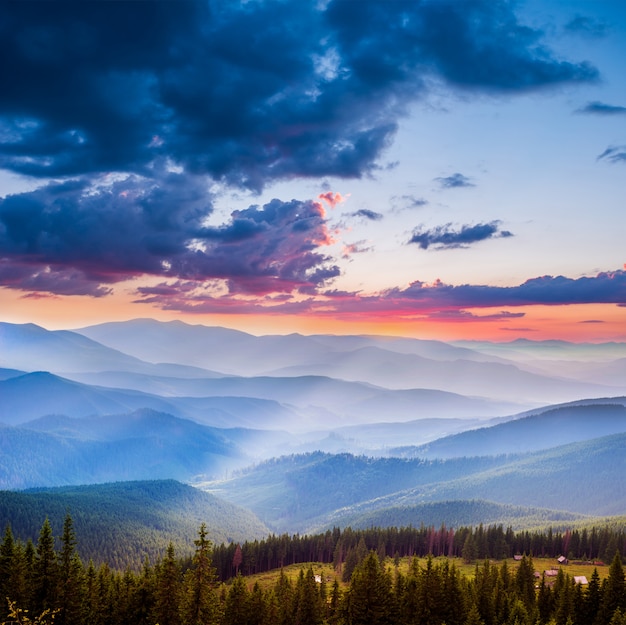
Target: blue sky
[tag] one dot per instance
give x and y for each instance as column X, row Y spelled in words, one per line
column 436, row 168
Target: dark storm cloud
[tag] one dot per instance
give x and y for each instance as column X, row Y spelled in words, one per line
column 445, row 237
column 367, row 214
column 436, row 301
column 614, row 154
column 76, row 236
column 604, row 288
column 600, row 108
column 455, row 181
column 244, row 92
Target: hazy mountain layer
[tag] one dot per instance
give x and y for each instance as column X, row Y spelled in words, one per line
column 57, row 450
column 297, row 404
column 550, row 428
column 382, row 361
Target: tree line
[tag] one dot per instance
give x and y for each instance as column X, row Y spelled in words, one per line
column 477, row 543
column 43, row 584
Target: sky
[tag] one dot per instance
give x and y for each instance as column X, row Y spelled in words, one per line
column 449, row 169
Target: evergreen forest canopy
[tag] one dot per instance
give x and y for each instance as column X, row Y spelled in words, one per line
column 54, row 584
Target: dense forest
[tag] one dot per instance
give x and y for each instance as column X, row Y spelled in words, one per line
column 123, row 523
column 43, row 583
column 478, row 543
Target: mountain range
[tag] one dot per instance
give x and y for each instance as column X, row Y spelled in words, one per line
column 309, row 432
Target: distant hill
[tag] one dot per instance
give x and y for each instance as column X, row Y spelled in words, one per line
column 123, row 523
column 460, row 513
column 296, row 493
column 588, row 477
column 58, row 450
column 297, row 404
column 546, row 429
column 29, row 396
column 5, row 374
column 33, row 395
column 32, row 348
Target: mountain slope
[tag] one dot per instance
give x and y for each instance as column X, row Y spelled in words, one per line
column 549, row 428
column 32, row 348
column 58, row 450
column 314, row 490
column 40, row 393
column 467, row 377
column 123, row 523
column 293, row 493
column 459, row 513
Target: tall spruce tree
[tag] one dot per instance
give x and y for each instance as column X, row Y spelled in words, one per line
column 71, row 578
column 200, row 604
column 613, row 592
column 168, row 590
column 236, row 609
column 308, row 607
column 46, row 571
column 369, row 597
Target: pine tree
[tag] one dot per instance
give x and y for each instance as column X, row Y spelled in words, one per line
column 564, row 598
column 200, row 604
column 545, row 602
column 370, row 594
column 308, row 608
column 92, row 596
column 236, row 609
column 7, row 567
column 145, row 595
column 71, row 578
column 46, row 571
column 168, row 590
column 469, row 551
column 591, row 599
column 284, row 591
column 257, row 608
column 473, row 617
column 484, row 581
column 613, row 592
column 525, row 584
column 334, row 607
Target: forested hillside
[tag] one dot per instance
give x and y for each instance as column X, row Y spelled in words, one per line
column 318, row 490
column 123, row 523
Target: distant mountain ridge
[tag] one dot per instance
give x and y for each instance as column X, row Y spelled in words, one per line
column 549, row 428
column 145, row 444
column 390, row 362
